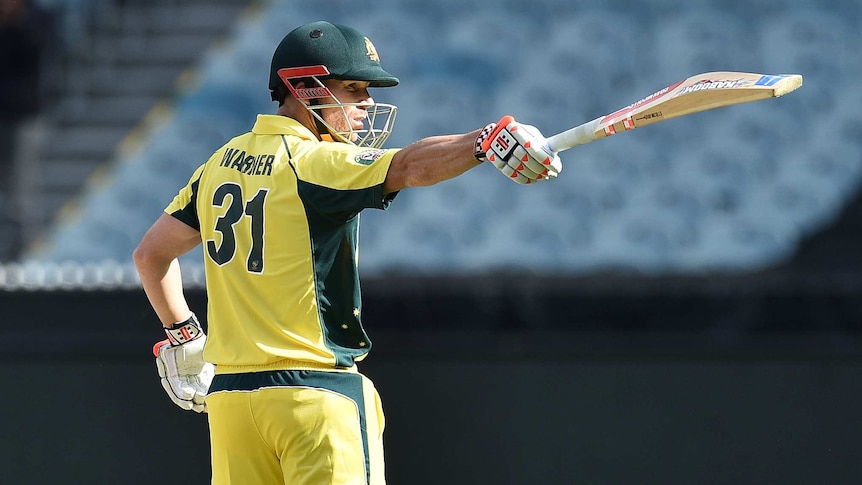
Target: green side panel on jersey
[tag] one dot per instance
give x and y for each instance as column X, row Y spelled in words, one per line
column 334, row 237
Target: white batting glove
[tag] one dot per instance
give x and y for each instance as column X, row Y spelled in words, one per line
column 517, row 150
column 185, row 376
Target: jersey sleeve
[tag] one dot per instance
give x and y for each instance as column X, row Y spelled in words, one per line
column 184, row 205
column 356, row 173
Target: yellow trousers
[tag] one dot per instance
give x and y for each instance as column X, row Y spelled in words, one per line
column 296, row 427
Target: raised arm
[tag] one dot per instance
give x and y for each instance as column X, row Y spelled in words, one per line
column 519, row 151
column 431, row 160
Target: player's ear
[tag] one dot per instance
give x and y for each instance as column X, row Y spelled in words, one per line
column 280, row 94
column 302, row 84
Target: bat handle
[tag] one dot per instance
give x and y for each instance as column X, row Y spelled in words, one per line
column 573, row 137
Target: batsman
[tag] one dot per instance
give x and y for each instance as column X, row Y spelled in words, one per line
column 277, row 212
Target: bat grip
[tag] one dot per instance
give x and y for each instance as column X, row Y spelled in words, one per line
column 573, row 137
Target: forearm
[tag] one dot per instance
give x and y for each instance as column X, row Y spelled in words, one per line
column 156, row 261
column 163, row 286
column 183, row 372
column 432, row 160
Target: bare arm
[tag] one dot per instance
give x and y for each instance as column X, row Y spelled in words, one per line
column 157, row 264
column 431, row 160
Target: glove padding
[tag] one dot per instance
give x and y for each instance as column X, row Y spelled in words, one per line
column 184, row 374
column 519, row 151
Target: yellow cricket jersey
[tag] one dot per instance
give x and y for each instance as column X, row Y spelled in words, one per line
column 278, row 213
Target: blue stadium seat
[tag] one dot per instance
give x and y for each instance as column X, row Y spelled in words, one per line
column 726, row 190
column 823, row 45
column 698, row 40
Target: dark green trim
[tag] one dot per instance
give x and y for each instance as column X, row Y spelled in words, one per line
column 336, row 278
column 346, row 384
column 189, row 213
column 333, row 227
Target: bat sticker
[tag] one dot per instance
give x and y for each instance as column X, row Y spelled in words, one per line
column 649, row 116
column 644, row 101
column 708, row 84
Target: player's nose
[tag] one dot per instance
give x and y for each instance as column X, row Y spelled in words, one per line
column 365, row 100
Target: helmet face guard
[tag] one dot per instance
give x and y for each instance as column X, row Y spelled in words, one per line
column 377, row 126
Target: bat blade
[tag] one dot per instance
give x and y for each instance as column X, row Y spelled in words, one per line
column 697, row 93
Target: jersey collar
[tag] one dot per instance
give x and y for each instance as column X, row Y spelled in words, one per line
column 281, row 125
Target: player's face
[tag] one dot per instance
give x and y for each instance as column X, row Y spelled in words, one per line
column 353, row 94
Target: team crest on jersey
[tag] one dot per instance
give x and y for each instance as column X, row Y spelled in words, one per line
column 367, row 157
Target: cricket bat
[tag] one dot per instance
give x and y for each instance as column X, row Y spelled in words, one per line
column 697, row 93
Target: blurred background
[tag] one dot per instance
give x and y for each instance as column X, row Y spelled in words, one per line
column 682, row 305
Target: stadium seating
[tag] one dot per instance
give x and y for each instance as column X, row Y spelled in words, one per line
column 728, row 190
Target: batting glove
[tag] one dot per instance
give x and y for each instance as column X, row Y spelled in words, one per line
column 517, row 150
column 185, row 375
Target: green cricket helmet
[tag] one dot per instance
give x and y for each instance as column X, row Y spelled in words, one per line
column 322, row 50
